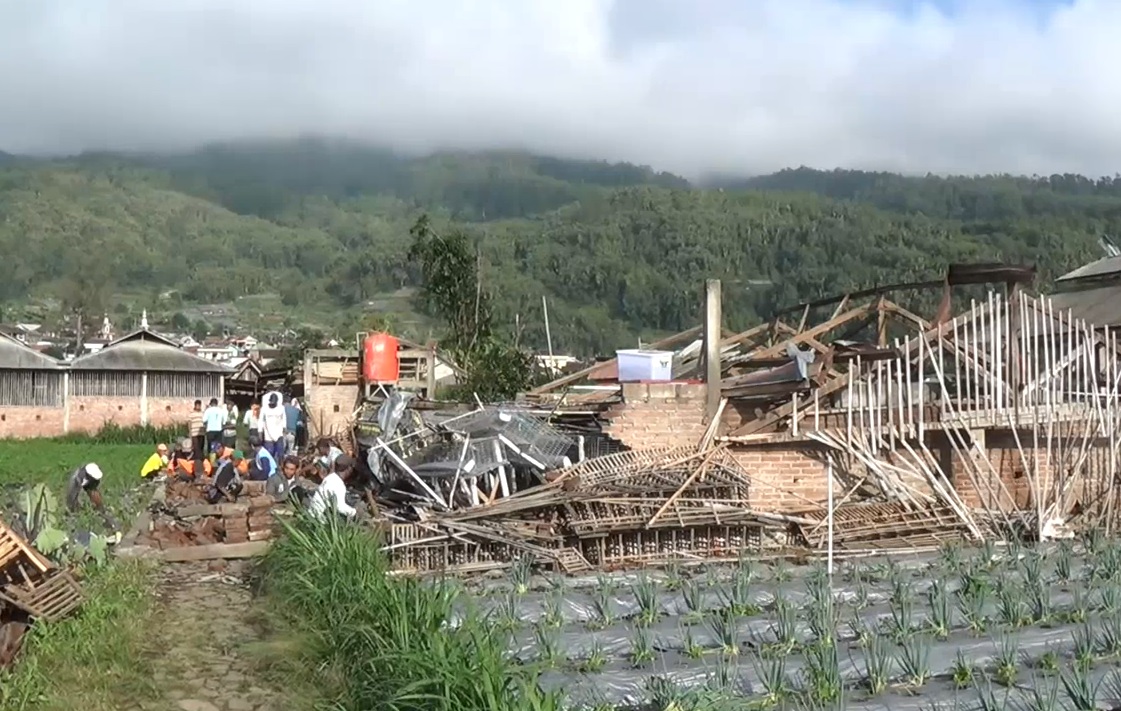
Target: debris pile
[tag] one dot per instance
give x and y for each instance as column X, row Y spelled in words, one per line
column 183, row 518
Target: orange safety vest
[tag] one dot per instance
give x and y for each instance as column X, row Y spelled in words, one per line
column 187, row 466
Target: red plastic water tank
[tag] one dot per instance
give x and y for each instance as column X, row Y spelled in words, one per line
column 380, row 362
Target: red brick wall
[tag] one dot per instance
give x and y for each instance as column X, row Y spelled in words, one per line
column 25, row 422
column 89, row 414
column 658, row 414
column 162, row 413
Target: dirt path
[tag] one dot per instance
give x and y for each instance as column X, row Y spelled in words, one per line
column 206, row 625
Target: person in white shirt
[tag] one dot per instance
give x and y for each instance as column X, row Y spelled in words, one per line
column 252, row 420
column 273, row 424
column 331, row 494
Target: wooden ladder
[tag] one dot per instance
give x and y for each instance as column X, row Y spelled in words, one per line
column 571, row 560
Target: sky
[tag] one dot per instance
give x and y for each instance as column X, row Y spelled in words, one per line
column 692, row 86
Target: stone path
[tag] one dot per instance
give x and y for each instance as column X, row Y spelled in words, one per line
column 207, row 625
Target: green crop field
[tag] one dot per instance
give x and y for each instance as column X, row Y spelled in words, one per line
column 24, row 463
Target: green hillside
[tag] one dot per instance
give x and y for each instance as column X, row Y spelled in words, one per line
column 315, row 232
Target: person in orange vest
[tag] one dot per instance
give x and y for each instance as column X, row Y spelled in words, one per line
column 238, row 459
column 184, row 465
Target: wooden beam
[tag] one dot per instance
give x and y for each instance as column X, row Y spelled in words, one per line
column 215, row 551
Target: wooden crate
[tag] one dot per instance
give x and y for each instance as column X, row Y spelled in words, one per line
column 51, row 598
column 14, row 551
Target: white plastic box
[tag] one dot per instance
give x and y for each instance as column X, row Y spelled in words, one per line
column 638, row 365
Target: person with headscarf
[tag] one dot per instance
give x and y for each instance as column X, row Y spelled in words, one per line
column 273, row 425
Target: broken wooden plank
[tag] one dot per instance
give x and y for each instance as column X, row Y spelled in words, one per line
column 215, row 551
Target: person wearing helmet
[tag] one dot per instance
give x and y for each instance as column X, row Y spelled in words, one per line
column 85, row 478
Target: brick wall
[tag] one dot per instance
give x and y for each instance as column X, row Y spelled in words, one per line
column 658, row 414
column 26, row 422
column 329, row 408
column 90, row 414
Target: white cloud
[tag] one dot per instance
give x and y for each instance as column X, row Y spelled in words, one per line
column 685, row 85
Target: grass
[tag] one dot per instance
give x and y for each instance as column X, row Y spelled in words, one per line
column 96, row 659
column 373, row 641
column 24, row 463
column 99, row 659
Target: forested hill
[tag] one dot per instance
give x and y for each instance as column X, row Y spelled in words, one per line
column 968, row 198
column 262, row 179
column 321, row 228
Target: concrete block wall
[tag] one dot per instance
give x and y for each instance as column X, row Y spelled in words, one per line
column 329, row 408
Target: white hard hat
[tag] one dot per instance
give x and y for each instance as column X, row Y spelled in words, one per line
column 93, row 471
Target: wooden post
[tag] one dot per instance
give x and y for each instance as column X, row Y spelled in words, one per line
column 712, row 337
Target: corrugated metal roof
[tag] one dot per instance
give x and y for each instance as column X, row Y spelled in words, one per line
column 144, row 350
column 18, row 356
column 1099, row 307
column 1103, row 267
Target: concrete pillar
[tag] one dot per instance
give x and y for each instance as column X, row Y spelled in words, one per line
column 712, row 337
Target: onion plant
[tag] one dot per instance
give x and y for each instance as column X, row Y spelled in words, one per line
column 824, row 682
column 642, row 646
column 771, row 671
column 694, row 602
column 595, row 660
column 1040, row 695
column 878, row 662
column 1081, row 692
column 1083, row 638
column 601, row 606
column 1011, row 605
column 508, row 610
column 737, row 596
column 1064, row 556
column 1109, row 598
column 722, row 623
column 990, row 699
column 689, row 646
column 950, row 556
column 1108, row 637
column 674, row 576
column 554, row 608
column 662, row 692
column 822, row 618
column 521, row 573
column 548, row 644
column 902, row 613
column 914, row 658
column 962, row 672
column 939, row 601
column 785, row 624
column 1007, row 659
column 645, row 593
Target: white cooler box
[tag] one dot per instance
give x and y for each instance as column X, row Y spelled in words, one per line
column 638, row 365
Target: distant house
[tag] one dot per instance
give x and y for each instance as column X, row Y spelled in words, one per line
column 1092, row 292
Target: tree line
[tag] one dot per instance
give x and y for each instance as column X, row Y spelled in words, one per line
column 620, row 251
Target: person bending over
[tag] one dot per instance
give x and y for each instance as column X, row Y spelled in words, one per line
column 331, row 494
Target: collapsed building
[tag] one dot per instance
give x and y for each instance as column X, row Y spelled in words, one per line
column 872, row 428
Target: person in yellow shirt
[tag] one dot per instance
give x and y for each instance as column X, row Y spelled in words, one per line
column 154, row 465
